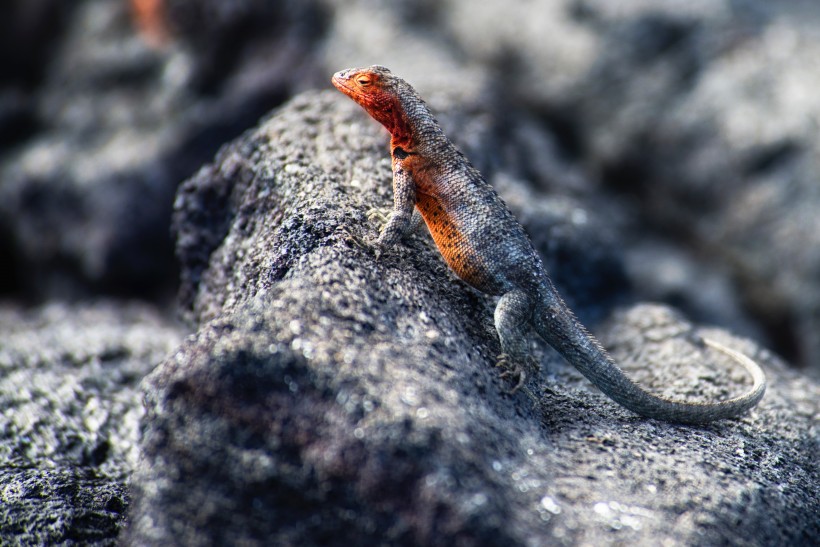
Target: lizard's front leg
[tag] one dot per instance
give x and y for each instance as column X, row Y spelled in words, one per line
column 404, row 201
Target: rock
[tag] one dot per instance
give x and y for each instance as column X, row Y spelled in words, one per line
column 653, row 152
column 115, row 125
column 704, row 115
column 332, row 398
column 71, row 410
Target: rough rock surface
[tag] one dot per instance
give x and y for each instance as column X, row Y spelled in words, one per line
column 330, row 397
column 701, row 115
column 70, row 417
column 654, row 152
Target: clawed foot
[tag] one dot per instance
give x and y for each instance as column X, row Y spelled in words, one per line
column 514, row 370
column 350, row 237
column 364, row 244
column 378, row 214
column 386, row 238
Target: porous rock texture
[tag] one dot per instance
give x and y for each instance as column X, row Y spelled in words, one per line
column 333, row 397
column 654, row 151
column 69, row 377
column 699, row 120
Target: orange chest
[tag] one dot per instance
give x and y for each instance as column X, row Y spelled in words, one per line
column 447, row 232
column 432, row 205
column 449, row 225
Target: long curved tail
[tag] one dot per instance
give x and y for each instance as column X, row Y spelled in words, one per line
column 564, row 332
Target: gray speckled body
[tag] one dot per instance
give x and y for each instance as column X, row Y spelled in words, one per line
column 485, row 245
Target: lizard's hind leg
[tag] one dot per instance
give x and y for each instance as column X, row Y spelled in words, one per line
column 513, row 315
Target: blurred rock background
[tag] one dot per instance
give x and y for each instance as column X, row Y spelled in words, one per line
column 673, row 146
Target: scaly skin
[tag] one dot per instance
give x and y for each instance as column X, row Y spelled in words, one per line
column 485, row 246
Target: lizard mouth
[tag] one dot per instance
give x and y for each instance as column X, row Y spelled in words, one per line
column 341, row 82
column 375, row 100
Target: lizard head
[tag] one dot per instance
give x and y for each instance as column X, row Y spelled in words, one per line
column 375, row 88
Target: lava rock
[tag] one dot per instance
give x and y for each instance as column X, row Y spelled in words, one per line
column 71, row 408
column 330, row 397
column 112, row 128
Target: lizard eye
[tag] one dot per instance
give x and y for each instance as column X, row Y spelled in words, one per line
column 364, row 80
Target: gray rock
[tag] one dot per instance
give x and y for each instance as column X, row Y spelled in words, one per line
column 332, row 398
column 706, row 116
column 70, row 418
column 703, row 114
column 653, row 151
column 86, row 199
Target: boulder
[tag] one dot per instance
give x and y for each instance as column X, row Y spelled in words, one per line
column 333, row 397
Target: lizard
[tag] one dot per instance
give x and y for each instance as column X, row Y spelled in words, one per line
column 484, row 245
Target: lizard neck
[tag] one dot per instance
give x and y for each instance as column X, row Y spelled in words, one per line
column 402, row 131
column 412, row 125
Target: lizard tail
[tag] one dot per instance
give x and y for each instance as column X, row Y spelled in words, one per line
column 559, row 327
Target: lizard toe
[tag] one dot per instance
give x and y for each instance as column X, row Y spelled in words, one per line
column 378, row 214
column 350, row 237
column 512, row 371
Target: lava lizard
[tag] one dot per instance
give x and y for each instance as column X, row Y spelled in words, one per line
column 485, row 246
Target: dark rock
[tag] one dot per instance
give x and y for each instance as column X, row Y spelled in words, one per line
column 701, row 119
column 71, row 410
column 48, row 505
column 653, row 152
column 29, row 30
column 703, row 115
column 332, row 398
column 115, row 125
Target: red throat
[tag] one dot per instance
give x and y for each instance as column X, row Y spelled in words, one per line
column 382, row 105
